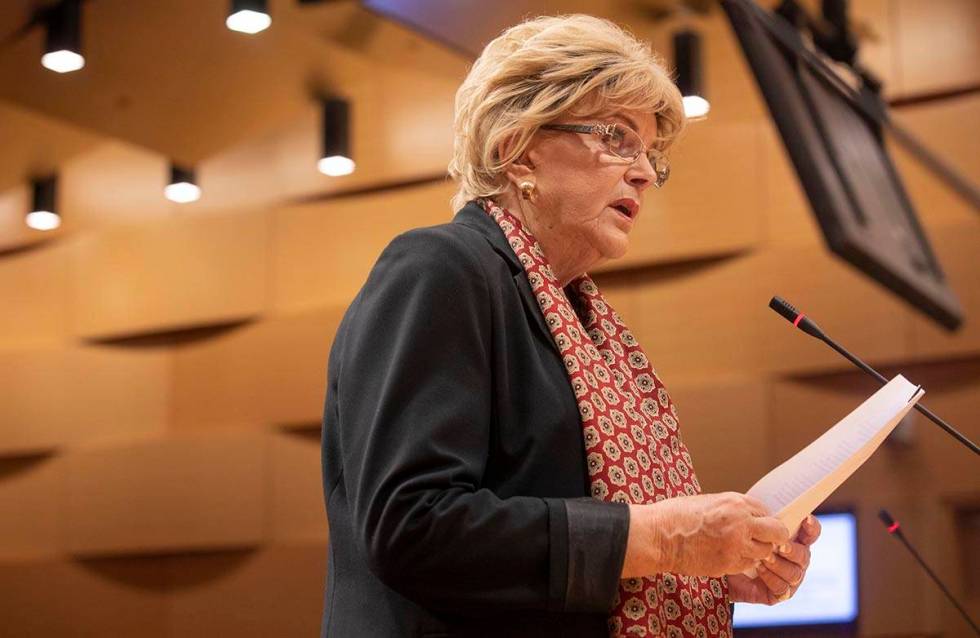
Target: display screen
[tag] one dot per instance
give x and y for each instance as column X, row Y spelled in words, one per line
column 829, row 593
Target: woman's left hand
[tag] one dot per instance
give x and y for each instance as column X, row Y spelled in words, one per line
column 780, row 575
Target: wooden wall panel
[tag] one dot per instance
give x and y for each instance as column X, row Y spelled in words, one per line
column 713, row 203
column 724, row 424
column 51, row 598
column 937, row 44
column 958, row 249
column 33, row 294
column 322, row 253
column 30, row 496
column 57, row 397
column 270, row 373
column 165, row 276
column 179, row 493
column 298, row 510
column 274, row 592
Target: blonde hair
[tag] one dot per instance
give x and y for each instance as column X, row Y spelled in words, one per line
column 536, row 72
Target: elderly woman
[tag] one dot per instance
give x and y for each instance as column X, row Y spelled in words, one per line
column 500, row 458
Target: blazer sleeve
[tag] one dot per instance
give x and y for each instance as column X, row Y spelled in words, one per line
column 415, row 411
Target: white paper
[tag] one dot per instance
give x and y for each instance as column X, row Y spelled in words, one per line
column 794, row 489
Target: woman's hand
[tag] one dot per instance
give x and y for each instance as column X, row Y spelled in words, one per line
column 703, row 535
column 781, row 575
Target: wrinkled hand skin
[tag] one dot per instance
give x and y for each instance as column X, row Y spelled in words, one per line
column 702, row 535
column 781, row 574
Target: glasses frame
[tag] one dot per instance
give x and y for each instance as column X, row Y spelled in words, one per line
column 659, row 162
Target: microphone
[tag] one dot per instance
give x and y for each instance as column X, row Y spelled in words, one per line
column 896, row 530
column 808, row 326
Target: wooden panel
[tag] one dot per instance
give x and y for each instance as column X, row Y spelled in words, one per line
column 713, row 203
column 298, row 511
column 937, row 44
column 121, row 598
column 34, row 290
column 712, row 316
column 950, row 128
column 275, row 592
column 30, row 494
column 322, row 253
column 163, row 276
column 33, row 143
column 58, row 397
column 958, row 249
column 269, row 373
column 167, row 494
column 724, row 424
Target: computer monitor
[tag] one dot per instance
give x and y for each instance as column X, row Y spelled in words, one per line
column 834, row 138
column 829, row 593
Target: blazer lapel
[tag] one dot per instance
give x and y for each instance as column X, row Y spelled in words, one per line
column 473, row 216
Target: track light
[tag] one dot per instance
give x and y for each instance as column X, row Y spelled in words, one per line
column 687, row 59
column 335, row 160
column 63, row 41
column 183, row 187
column 248, row 16
column 44, row 214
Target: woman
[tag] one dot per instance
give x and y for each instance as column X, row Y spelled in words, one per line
column 500, row 458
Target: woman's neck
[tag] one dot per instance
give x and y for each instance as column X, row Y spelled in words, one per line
column 566, row 261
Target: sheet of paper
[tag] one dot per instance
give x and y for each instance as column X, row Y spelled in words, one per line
column 794, row 489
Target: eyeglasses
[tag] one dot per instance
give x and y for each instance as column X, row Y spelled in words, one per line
column 623, row 142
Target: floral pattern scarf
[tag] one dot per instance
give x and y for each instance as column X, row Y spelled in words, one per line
column 633, row 446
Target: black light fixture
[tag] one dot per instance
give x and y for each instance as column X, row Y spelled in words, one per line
column 335, row 158
column 183, row 187
column 63, row 40
column 248, row 16
column 690, row 81
column 44, row 212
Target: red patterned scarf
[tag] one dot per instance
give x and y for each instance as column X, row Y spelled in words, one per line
column 633, row 445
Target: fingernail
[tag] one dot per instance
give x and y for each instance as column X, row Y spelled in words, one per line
column 784, row 549
column 770, row 559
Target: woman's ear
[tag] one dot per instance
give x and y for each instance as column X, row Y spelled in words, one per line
column 521, row 169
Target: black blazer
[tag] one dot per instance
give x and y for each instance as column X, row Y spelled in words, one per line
column 453, row 462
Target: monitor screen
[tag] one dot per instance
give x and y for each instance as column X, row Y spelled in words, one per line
column 834, row 138
column 829, row 593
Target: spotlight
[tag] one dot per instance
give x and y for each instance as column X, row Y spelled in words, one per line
column 687, row 59
column 335, row 160
column 63, row 41
column 183, row 186
column 248, row 16
column 43, row 215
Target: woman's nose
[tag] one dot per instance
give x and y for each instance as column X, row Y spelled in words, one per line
column 641, row 173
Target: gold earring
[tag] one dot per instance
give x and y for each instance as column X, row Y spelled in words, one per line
column 527, row 190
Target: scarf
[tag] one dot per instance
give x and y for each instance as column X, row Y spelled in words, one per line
column 634, row 452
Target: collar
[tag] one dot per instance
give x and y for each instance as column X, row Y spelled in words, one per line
column 473, row 216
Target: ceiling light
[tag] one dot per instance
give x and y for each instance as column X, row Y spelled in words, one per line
column 43, row 215
column 63, row 40
column 183, row 187
column 687, row 59
column 248, row 16
column 335, row 160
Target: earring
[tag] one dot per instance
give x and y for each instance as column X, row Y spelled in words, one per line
column 527, row 190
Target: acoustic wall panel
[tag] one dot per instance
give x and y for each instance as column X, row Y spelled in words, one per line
column 57, row 397
column 273, row 372
column 322, row 253
column 274, row 592
column 65, row 598
column 958, row 250
column 30, row 497
column 169, row 275
column 926, row 67
column 713, row 203
column 33, row 294
column 168, row 494
column 724, row 423
column 298, row 511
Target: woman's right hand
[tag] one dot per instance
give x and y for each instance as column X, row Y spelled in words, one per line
column 703, row 535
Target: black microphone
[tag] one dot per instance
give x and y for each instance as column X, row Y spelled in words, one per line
column 808, row 326
column 896, row 530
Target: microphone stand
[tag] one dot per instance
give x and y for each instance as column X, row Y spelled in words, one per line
column 896, row 530
column 808, row 326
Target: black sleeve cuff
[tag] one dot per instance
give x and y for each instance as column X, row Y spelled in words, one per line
column 597, row 534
